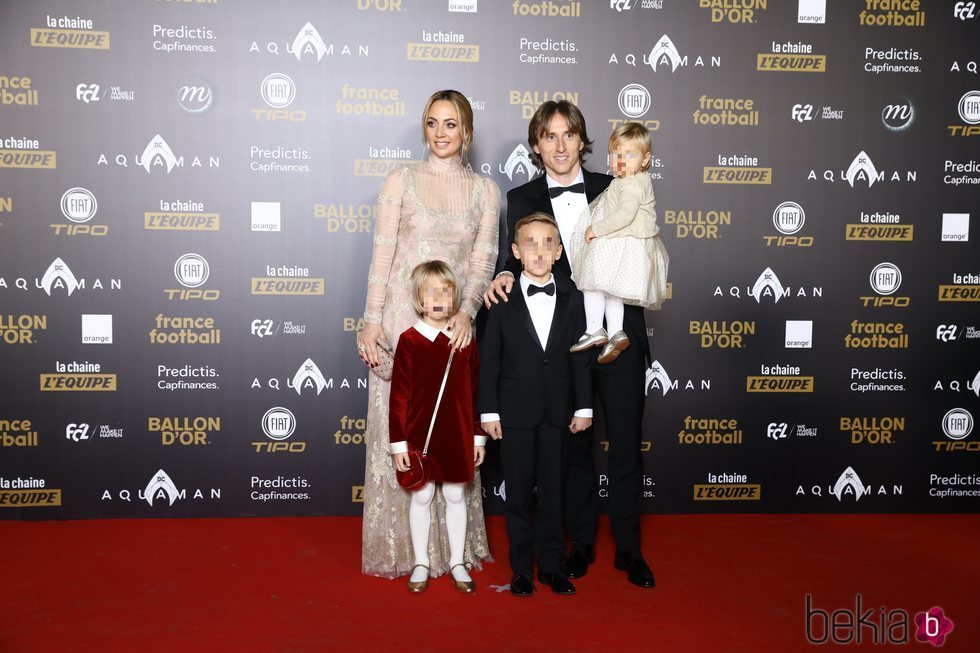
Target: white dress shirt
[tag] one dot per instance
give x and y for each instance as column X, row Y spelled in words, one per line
column 431, row 332
column 568, row 207
column 541, row 306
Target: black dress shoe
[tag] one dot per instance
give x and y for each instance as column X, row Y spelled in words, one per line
column 636, row 568
column 557, row 582
column 521, row 585
column 577, row 563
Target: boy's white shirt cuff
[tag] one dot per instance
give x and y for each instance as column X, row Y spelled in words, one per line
column 479, row 440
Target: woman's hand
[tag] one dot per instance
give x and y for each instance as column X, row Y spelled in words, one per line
column 401, row 461
column 367, row 343
column 461, row 328
column 479, row 453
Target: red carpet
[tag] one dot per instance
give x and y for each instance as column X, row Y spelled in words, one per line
column 724, row 583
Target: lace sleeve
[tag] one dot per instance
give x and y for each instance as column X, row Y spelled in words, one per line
column 385, row 237
column 483, row 256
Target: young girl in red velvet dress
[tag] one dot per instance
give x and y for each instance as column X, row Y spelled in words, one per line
column 457, row 443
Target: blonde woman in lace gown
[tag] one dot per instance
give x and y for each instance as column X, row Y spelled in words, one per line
column 436, row 209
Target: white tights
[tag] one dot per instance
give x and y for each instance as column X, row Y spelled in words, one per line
column 418, row 521
column 597, row 303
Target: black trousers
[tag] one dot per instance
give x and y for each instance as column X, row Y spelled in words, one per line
column 619, row 386
column 534, row 458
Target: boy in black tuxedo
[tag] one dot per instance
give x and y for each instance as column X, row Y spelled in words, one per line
column 559, row 143
column 532, row 393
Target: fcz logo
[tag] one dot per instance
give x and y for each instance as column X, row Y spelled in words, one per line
column 262, row 328
column 946, row 332
column 76, row 432
column 87, row 93
column 777, row 430
column 626, row 5
column 802, row 112
column 964, row 10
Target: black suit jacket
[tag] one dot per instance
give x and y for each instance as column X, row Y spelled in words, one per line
column 533, row 196
column 524, row 382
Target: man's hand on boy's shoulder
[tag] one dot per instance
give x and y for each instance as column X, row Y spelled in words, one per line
column 501, row 286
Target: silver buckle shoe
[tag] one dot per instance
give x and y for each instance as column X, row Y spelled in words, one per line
column 588, row 341
column 611, row 351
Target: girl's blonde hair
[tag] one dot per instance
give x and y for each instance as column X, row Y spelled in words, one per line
column 439, row 271
column 634, row 133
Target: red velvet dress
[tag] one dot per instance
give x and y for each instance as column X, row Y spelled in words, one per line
column 415, row 380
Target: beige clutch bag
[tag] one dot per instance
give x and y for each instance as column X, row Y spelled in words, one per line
column 386, row 361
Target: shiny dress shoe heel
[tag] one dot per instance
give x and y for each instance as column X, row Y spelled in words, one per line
column 636, row 568
column 590, row 340
column 464, row 586
column 557, row 582
column 420, row 586
column 521, row 585
column 577, row 563
column 613, row 348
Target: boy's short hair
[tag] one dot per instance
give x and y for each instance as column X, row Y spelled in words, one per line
column 441, row 272
column 535, row 217
column 635, row 133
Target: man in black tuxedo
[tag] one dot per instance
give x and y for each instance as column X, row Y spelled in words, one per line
column 559, row 141
column 532, row 392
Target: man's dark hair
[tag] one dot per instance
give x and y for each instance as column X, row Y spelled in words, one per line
column 538, row 127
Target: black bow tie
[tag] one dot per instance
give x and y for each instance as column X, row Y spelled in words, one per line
column 532, row 290
column 555, row 191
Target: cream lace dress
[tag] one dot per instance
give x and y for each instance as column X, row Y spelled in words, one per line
column 436, row 209
column 627, row 260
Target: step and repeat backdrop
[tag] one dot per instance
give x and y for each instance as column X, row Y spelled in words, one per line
column 187, row 199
